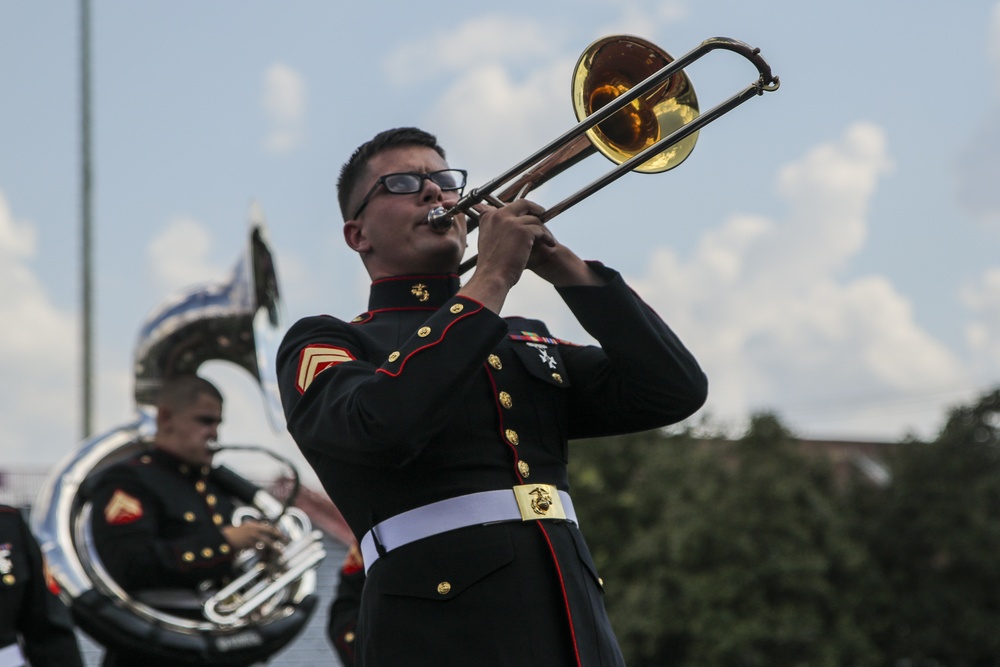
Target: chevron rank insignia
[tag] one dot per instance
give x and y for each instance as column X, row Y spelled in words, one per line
column 122, row 509
column 315, row 359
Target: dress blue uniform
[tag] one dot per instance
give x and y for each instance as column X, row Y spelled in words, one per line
column 29, row 607
column 157, row 525
column 430, row 396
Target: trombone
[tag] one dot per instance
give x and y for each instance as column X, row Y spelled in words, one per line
column 635, row 105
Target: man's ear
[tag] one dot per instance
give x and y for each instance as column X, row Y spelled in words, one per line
column 355, row 237
column 163, row 417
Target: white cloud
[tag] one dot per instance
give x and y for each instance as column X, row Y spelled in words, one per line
column 478, row 42
column 495, row 119
column 40, row 349
column 284, row 103
column 638, row 19
column 178, row 256
column 760, row 304
column 983, row 300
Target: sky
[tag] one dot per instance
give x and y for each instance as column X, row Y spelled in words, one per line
column 828, row 251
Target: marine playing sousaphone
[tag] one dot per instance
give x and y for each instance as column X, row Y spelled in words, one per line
column 265, row 608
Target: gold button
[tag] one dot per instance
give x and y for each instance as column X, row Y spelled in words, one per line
column 211, row 499
column 188, row 556
column 9, row 579
column 200, row 486
column 145, row 458
column 357, row 319
column 217, row 519
column 444, row 588
column 557, row 377
column 223, row 548
column 457, row 308
column 207, row 553
column 505, row 400
column 424, row 332
column 189, row 516
column 205, row 470
column 394, row 356
column 349, row 637
column 495, row 362
column 523, row 467
column 512, row 436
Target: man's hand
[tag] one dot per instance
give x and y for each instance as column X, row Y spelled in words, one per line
column 557, row 264
column 253, row 535
column 506, row 238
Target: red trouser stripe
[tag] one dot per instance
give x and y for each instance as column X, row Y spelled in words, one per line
column 562, row 587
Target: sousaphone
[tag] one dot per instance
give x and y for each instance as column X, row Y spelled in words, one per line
column 268, row 603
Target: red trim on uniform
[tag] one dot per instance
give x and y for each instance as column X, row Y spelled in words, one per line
column 429, row 345
column 562, row 587
column 398, row 309
column 503, row 431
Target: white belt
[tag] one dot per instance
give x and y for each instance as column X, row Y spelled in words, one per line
column 527, row 502
column 11, row 656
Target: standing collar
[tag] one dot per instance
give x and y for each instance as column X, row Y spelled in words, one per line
column 168, row 460
column 429, row 291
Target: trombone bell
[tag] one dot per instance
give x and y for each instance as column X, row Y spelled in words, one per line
column 607, row 69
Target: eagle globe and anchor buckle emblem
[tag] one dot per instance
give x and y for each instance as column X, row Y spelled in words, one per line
column 539, row 501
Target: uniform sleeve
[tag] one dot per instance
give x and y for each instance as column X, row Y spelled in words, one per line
column 641, row 377
column 336, row 397
column 128, row 525
column 45, row 623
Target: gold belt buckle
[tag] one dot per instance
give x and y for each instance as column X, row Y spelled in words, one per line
column 539, row 501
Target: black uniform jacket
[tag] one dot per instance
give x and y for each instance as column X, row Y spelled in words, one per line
column 430, row 395
column 29, row 605
column 157, row 523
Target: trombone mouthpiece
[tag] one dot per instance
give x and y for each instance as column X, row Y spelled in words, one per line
column 438, row 219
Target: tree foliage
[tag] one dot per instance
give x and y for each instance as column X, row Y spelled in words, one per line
column 750, row 552
column 934, row 537
column 720, row 553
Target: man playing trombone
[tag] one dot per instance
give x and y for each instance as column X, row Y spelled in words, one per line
column 440, row 429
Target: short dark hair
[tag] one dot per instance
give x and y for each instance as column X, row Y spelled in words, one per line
column 183, row 390
column 354, row 168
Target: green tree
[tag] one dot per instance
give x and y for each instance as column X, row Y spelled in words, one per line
column 935, row 536
column 721, row 553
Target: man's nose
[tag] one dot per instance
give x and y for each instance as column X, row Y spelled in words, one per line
column 431, row 192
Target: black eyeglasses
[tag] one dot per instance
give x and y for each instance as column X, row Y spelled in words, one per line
column 407, row 183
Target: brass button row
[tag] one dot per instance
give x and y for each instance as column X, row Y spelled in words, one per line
column 207, row 552
column 424, row 332
column 508, row 402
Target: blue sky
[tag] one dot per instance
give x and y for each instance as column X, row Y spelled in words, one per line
column 828, row 251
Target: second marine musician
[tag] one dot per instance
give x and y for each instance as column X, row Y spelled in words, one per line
column 441, row 429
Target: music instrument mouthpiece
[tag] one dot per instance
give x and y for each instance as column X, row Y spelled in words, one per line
column 438, row 219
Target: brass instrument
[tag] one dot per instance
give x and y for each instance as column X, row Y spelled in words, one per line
column 234, row 321
column 635, row 105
